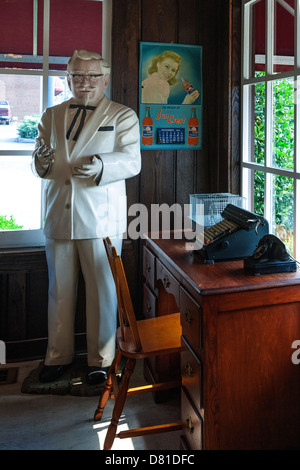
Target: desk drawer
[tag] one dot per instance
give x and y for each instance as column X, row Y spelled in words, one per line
column 191, row 373
column 191, row 321
column 193, row 423
column 149, row 267
column 149, row 303
column 169, row 282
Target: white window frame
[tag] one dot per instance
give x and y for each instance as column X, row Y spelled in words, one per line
column 35, row 238
column 269, row 77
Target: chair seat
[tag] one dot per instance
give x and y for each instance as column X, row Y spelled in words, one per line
column 165, row 337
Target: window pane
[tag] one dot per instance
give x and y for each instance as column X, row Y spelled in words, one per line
column 297, row 123
column 283, row 124
column 24, row 96
column 259, row 122
column 259, row 193
column 65, row 36
column 282, row 223
column 283, row 209
column 284, row 16
column 23, row 93
column 17, row 36
column 21, row 44
column 269, row 116
column 20, row 194
column 254, row 190
column 258, row 37
column 72, row 24
column 58, row 90
column 297, row 221
column 254, row 123
column 20, row 190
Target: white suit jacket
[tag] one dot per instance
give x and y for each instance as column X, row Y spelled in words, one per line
column 78, row 208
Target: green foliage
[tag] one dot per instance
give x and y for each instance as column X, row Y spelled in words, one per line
column 259, row 124
column 8, row 224
column 283, row 128
column 282, row 153
column 28, row 129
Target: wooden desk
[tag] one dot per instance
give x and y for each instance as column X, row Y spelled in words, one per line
column 240, row 389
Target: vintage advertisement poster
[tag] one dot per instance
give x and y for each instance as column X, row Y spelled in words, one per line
column 170, row 96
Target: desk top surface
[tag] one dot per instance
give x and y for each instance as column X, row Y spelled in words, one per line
column 220, row 277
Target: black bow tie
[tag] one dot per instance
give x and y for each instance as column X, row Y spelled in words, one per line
column 83, row 116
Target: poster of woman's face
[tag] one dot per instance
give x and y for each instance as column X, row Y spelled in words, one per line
column 170, row 80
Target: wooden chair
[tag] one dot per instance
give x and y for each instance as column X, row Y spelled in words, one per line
column 135, row 339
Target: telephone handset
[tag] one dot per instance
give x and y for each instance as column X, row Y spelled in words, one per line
column 270, row 256
column 271, row 247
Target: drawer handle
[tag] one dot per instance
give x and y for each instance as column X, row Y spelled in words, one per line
column 166, row 282
column 188, row 317
column 190, row 426
column 148, row 267
column 148, row 308
column 188, row 370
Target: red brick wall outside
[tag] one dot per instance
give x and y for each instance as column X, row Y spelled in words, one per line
column 24, row 94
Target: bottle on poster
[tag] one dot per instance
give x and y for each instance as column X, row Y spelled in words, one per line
column 187, row 86
column 193, row 129
column 147, row 128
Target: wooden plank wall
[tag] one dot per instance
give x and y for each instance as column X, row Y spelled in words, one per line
column 169, row 176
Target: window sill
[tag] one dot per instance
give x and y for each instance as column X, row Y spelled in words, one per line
column 22, row 259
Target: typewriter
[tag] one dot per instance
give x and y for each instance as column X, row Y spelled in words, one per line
column 234, row 237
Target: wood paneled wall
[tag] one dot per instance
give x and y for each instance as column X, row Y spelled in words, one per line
column 167, row 176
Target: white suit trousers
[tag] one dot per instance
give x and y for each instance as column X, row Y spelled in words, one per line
column 64, row 258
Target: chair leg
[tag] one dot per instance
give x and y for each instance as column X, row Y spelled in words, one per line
column 119, row 405
column 107, row 389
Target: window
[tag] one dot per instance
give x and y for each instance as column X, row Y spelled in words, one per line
column 37, row 37
column 270, row 115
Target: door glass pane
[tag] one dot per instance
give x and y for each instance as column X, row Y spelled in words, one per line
column 283, row 124
column 283, row 209
column 284, row 16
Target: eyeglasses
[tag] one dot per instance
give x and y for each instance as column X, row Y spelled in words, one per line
column 91, row 77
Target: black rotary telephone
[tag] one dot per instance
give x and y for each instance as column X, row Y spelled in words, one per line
column 270, row 256
column 270, row 248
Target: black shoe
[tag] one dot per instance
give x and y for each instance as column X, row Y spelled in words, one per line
column 51, row 373
column 97, row 375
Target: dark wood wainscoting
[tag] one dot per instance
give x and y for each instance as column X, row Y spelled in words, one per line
column 23, row 305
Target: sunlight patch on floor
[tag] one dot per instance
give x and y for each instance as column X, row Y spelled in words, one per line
column 119, row 444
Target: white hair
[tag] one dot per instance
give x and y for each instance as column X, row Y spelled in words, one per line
column 88, row 55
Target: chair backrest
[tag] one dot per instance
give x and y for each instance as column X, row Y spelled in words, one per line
column 125, row 308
